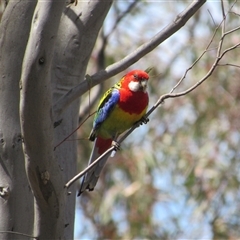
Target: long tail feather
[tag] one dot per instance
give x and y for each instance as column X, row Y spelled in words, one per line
column 90, row 179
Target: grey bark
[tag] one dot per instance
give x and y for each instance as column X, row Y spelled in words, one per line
column 36, row 121
column 16, row 201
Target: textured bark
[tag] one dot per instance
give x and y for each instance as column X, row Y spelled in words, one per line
column 42, row 169
column 16, row 201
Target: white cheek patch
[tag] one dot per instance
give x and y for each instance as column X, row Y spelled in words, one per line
column 134, row 86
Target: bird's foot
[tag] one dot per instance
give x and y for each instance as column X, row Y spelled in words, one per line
column 143, row 120
column 116, row 145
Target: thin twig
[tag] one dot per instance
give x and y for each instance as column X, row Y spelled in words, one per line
column 75, row 178
column 19, row 233
column 73, row 131
column 212, row 18
column 232, row 30
column 196, row 61
column 224, row 34
column 224, row 17
column 228, row 64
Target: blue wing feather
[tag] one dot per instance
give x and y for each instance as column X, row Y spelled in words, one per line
column 106, row 107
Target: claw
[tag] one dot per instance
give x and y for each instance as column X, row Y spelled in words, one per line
column 116, row 145
column 144, row 120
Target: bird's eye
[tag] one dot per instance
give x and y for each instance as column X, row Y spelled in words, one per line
column 135, row 76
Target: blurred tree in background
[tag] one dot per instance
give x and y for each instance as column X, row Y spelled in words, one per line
column 178, row 176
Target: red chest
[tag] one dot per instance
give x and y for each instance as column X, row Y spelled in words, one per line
column 133, row 102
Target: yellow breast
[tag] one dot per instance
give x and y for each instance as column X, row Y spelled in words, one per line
column 117, row 122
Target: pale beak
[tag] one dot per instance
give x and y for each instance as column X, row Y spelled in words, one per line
column 143, row 85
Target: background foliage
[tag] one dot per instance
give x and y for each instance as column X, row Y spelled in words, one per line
column 178, row 176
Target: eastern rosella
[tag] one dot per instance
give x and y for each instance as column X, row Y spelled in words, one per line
column 120, row 107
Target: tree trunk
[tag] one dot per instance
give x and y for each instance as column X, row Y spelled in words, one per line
column 36, row 121
column 16, row 201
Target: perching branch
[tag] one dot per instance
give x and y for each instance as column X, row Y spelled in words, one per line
column 75, row 178
column 133, row 57
column 220, row 54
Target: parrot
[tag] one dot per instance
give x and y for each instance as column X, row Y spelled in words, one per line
column 119, row 109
